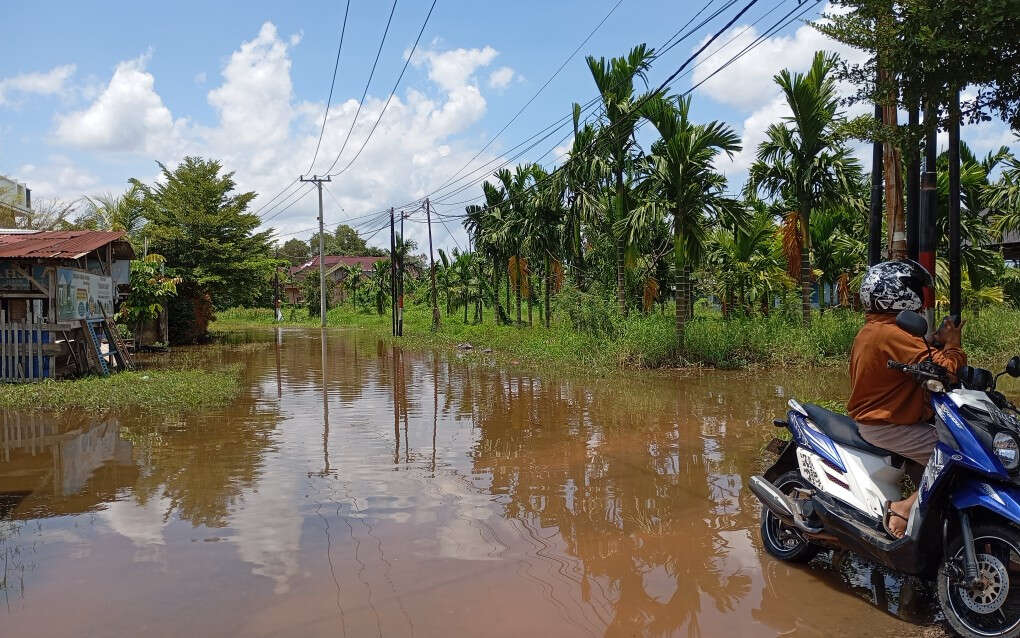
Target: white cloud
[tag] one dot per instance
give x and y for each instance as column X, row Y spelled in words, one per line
column 58, row 178
column 52, row 82
column 501, row 77
column 267, row 136
column 748, row 81
column 200, row 77
column 127, row 116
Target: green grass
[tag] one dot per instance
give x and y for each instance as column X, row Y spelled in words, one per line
column 151, row 390
column 648, row 341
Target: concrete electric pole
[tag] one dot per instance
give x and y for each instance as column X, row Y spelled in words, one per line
column 315, row 179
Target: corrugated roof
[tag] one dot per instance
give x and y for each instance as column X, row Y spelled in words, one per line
column 62, row 244
column 334, row 261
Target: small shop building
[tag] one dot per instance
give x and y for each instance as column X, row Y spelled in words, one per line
column 58, row 294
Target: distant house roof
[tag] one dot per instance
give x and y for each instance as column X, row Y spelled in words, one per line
column 61, row 244
column 332, row 262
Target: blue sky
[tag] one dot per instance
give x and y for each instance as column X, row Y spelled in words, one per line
column 93, row 95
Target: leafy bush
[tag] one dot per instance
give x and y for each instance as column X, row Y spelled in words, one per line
column 590, row 313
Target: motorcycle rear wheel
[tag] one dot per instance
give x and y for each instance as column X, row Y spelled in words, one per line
column 993, row 610
column 780, row 540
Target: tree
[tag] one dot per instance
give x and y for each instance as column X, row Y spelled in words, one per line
column 804, row 160
column 295, row 251
column 207, row 234
column 381, row 282
column 615, row 82
column 151, row 289
column 115, row 212
column 693, row 191
column 352, row 275
column 931, row 49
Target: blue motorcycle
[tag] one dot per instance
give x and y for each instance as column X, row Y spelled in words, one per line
column 829, row 487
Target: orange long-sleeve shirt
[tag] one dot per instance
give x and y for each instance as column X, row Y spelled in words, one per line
column 880, row 395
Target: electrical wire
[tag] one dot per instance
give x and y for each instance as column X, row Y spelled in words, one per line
column 364, row 93
column 332, row 83
column 400, row 77
column 777, row 26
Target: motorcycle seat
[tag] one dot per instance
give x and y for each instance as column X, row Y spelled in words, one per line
column 842, row 429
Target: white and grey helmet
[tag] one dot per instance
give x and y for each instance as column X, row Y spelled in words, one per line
column 892, row 286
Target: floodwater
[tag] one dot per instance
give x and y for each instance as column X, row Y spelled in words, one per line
column 357, row 490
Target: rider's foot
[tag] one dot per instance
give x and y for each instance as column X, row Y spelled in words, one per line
column 898, row 515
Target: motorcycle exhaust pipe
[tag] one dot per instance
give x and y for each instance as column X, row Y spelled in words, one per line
column 780, row 504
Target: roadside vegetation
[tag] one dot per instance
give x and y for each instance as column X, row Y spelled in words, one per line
column 160, row 391
column 644, row 341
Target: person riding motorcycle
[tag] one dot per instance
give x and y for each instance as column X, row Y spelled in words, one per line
column 891, row 408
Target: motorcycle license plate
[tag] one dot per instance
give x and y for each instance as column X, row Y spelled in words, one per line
column 776, row 446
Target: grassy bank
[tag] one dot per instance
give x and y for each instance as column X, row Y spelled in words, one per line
column 153, row 390
column 648, row 341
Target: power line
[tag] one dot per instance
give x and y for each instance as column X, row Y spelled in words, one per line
column 292, row 202
column 675, row 39
column 400, row 77
column 541, row 88
column 332, row 83
column 777, row 26
column 282, row 191
column 367, row 84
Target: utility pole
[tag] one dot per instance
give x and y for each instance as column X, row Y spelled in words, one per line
column 927, row 238
column 400, row 278
column 315, row 179
column 432, row 269
column 875, row 218
column 954, row 203
column 276, row 289
column 393, row 278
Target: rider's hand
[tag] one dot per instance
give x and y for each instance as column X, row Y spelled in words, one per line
column 949, row 333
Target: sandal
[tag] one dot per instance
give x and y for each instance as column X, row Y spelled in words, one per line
column 887, row 513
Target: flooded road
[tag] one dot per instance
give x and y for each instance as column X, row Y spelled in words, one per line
column 357, row 490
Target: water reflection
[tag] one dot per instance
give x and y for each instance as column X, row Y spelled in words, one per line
column 357, row 489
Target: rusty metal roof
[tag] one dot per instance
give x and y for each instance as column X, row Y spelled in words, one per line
column 62, row 244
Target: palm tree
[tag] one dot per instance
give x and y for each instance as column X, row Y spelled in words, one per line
column 352, row 274
column 615, row 81
column 693, row 191
column 803, row 160
column 381, row 278
column 115, row 212
column 483, row 224
column 515, row 214
column 464, row 266
column 444, row 274
column 583, row 174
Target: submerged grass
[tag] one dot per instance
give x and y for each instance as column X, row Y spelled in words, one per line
column 153, row 390
column 649, row 341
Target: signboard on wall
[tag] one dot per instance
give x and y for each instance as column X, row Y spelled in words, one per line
column 12, row 276
column 83, row 295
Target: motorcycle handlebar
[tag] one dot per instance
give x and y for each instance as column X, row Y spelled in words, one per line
column 917, row 370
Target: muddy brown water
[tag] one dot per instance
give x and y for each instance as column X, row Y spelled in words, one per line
column 358, row 490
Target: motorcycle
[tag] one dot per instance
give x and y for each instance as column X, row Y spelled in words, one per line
column 829, row 487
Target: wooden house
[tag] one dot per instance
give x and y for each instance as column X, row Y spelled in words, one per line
column 58, row 294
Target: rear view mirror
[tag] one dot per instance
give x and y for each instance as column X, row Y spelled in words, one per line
column 913, row 323
column 1013, row 367
column 976, row 378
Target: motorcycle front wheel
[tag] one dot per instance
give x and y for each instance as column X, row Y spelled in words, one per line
column 780, row 540
column 992, row 608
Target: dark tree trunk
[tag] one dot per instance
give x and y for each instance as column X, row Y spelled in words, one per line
column 621, row 245
column 548, row 284
column 683, row 298
column 517, row 264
